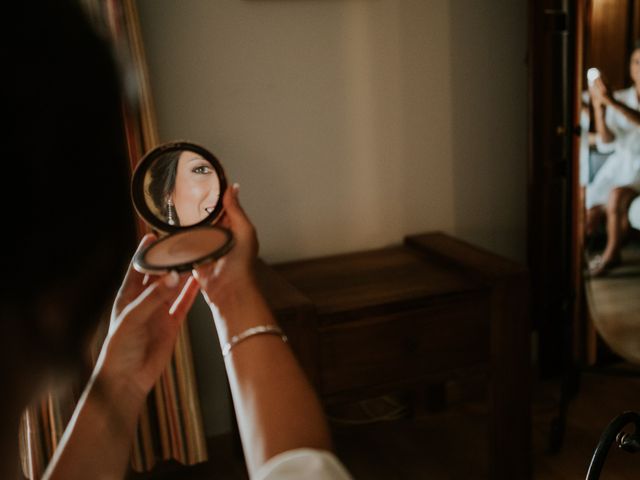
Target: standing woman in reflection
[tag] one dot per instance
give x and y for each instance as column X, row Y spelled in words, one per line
column 617, row 183
column 69, row 238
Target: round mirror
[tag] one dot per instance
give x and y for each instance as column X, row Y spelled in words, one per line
column 179, row 185
column 177, row 189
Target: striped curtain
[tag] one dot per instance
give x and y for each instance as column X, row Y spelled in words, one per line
column 170, row 427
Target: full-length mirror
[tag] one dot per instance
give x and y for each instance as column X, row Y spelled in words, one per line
column 610, row 174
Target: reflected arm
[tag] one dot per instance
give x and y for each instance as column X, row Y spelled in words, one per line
column 602, row 130
column 630, row 114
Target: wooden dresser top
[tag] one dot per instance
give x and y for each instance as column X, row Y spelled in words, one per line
column 377, row 277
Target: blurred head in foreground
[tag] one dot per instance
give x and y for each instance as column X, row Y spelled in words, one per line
column 65, row 208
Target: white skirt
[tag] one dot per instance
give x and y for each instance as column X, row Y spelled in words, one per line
column 622, row 169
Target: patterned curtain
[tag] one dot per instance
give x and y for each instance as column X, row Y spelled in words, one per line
column 170, row 427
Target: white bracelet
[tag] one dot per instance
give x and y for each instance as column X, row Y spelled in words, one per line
column 250, row 332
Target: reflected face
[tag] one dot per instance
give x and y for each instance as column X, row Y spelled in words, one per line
column 634, row 66
column 196, row 190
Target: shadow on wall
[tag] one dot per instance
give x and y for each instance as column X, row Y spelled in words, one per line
column 397, row 79
column 489, row 123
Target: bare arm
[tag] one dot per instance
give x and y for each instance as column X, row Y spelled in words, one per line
column 599, row 99
column 603, row 99
column 276, row 407
column 630, row 114
column 99, row 437
column 145, row 322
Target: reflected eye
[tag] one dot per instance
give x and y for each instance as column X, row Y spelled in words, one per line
column 202, row 170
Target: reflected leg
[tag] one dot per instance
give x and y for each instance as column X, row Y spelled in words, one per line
column 617, row 228
column 595, row 217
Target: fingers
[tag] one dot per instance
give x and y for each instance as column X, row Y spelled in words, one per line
column 241, row 226
column 237, row 218
column 183, row 303
column 161, row 293
column 134, row 281
column 202, row 273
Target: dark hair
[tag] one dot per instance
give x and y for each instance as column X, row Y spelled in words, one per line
column 71, row 225
column 163, row 173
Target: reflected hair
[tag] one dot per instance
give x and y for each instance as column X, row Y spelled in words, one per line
column 163, row 173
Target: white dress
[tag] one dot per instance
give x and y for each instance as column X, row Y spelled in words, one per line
column 303, row 463
column 622, row 168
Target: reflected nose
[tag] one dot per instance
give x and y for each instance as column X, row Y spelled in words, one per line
column 214, row 192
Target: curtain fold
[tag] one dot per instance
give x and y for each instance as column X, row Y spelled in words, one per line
column 170, row 426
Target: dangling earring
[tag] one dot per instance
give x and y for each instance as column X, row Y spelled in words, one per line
column 171, row 212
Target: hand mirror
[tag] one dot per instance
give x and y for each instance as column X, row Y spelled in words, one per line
column 177, row 189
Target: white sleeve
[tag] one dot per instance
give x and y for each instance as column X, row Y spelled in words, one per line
column 303, row 463
column 603, row 147
column 615, row 121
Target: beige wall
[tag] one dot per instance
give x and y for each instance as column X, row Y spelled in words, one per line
column 348, row 123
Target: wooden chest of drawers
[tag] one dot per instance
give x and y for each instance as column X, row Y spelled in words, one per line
column 406, row 316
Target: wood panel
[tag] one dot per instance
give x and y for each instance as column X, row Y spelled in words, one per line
column 549, row 196
column 407, row 344
column 510, row 390
column 608, row 40
column 413, row 315
column 349, row 282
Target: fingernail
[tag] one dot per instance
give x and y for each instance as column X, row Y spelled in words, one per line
column 172, row 280
column 145, row 280
column 236, row 188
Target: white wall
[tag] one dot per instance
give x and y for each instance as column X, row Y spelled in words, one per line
column 351, row 123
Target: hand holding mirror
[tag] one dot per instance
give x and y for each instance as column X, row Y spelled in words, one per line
column 177, row 189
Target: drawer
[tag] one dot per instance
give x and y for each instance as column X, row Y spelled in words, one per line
column 405, row 345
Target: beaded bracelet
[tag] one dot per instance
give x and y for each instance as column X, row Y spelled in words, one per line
column 250, row 332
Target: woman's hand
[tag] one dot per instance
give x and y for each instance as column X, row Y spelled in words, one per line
column 600, row 93
column 229, row 285
column 596, row 96
column 145, row 321
column 235, row 271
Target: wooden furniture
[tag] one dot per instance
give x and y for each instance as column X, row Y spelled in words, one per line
column 410, row 316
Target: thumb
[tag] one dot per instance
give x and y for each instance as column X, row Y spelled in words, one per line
column 235, row 213
column 241, row 226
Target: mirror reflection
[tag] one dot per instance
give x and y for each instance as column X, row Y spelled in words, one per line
column 182, row 188
column 610, row 175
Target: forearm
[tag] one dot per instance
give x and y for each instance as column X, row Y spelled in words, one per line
column 276, row 407
column 605, row 134
column 97, row 442
column 630, row 114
